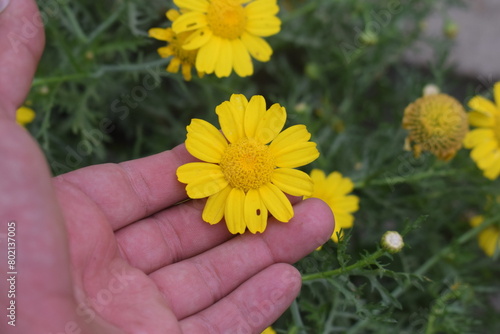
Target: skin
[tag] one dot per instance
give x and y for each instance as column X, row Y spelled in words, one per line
column 105, row 249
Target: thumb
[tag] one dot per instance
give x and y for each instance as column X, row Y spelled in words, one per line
column 22, row 39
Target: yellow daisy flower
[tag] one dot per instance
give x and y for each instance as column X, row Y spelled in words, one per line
column 485, row 139
column 228, row 32
column 25, row 115
column 269, row 330
column 489, row 238
column 247, row 169
column 436, row 123
column 333, row 190
column 181, row 58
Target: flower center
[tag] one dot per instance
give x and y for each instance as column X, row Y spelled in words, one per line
column 443, row 122
column 247, row 164
column 226, row 18
column 185, row 56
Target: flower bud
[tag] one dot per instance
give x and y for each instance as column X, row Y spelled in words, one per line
column 392, row 242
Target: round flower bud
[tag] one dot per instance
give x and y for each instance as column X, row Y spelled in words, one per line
column 392, row 242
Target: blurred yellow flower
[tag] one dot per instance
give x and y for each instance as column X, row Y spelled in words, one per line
column 25, row 115
column 181, row 58
column 485, row 139
column 228, row 32
column 435, row 123
column 489, row 238
column 334, row 190
column 247, row 169
column 269, row 330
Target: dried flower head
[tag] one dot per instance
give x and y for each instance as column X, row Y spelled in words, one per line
column 435, row 123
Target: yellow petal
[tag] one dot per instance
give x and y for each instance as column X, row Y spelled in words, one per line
column 161, row 34
column 242, row 62
column 197, row 39
column 204, row 141
column 172, row 14
column 258, row 48
column 165, row 51
column 196, row 5
column 255, row 212
column 319, row 186
column 253, row 114
column 224, row 63
column 215, row 206
column 480, row 119
column 346, row 204
column 231, row 121
column 203, row 179
column 318, row 176
column 297, row 155
column 239, row 101
column 292, row 181
column 338, row 184
column 290, row 136
column 270, row 124
column 276, row 202
column 261, row 8
column 263, row 26
column 496, row 94
column 343, row 220
column 483, row 105
column 189, row 21
column 234, row 213
column 477, row 137
column 173, row 66
column 208, row 55
column 482, row 151
column 493, row 170
column 488, row 240
column 186, row 71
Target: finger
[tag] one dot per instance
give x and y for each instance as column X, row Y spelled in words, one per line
column 169, row 236
column 37, row 237
column 195, row 283
column 131, row 190
column 253, row 306
column 21, row 45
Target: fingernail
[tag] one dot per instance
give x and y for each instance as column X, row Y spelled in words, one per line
column 3, row 4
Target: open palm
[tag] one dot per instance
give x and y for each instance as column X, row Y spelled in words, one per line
column 107, row 249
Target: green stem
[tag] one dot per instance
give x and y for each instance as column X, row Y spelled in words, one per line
column 74, row 24
column 98, row 73
column 297, row 319
column 106, row 24
column 339, row 271
column 303, row 10
column 394, row 180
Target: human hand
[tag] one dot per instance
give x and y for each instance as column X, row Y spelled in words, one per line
column 106, row 249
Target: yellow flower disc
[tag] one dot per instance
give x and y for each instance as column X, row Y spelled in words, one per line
column 247, row 164
column 226, row 18
column 436, row 123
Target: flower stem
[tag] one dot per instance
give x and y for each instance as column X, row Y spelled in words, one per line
column 297, row 319
column 394, row 180
column 98, row 73
column 366, row 261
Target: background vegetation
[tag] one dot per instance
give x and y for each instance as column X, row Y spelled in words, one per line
column 101, row 94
